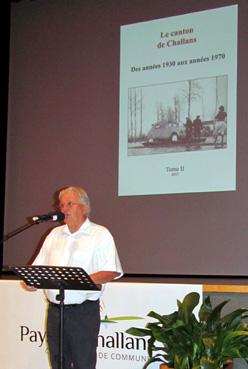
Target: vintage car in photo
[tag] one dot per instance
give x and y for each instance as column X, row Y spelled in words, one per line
column 163, row 131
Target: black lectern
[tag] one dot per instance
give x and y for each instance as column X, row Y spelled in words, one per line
column 60, row 278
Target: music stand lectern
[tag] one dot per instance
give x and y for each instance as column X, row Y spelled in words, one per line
column 59, row 278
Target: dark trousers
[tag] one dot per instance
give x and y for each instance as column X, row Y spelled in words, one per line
column 81, row 328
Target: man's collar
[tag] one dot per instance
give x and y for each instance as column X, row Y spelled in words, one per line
column 83, row 229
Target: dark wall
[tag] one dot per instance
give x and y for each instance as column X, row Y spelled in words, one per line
column 63, row 130
column 5, row 22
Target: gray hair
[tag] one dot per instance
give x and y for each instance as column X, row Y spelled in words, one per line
column 80, row 193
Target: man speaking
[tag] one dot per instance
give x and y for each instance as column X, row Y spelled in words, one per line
column 78, row 243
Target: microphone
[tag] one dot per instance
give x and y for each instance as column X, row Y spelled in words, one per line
column 54, row 217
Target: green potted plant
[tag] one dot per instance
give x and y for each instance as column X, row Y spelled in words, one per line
column 182, row 341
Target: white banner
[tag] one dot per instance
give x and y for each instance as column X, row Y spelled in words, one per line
column 23, row 314
column 22, row 337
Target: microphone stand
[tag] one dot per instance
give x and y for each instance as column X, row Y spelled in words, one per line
column 15, row 232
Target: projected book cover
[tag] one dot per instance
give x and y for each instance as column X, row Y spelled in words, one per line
column 178, row 89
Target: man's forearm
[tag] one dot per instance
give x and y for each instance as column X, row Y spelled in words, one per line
column 103, row 276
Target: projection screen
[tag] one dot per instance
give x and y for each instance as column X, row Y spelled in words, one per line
column 99, row 97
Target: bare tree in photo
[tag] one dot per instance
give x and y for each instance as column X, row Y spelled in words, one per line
column 135, row 121
column 191, row 94
column 161, row 115
column 177, row 108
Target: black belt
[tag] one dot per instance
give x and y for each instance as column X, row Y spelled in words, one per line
column 68, row 306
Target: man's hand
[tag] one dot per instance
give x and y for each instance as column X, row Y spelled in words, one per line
column 26, row 287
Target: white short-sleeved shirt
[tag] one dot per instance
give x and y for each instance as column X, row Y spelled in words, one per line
column 92, row 247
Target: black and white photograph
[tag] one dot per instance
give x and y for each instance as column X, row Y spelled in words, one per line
column 178, row 117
